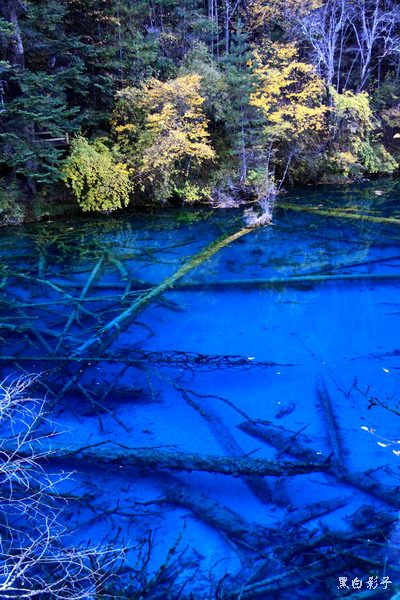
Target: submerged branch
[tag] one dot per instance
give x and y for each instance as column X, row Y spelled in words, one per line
column 225, row 520
column 184, row 461
column 276, row 282
column 169, row 358
column 82, row 295
column 330, row 421
column 338, row 213
column 286, row 443
column 228, row 442
column 107, row 334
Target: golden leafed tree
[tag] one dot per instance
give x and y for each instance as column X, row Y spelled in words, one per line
column 162, row 129
column 290, row 94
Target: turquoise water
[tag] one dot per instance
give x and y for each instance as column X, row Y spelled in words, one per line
column 290, row 333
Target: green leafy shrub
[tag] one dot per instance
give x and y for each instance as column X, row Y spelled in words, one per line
column 96, row 176
column 191, row 192
column 376, row 160
column 356, row 149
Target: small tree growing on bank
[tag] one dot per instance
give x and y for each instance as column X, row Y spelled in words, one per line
column 99, row 180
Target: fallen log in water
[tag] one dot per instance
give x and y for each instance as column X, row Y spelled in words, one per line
column 283, row 440
column 145, row 288
column 330, row 421
column 299, row 516
column 107, row 334
column 169, row 358
column 225, row 520
column 288, row 443
column 338, row 213
column 279, row 282
column 368, row 485
column 110, row 454
column 228, row 442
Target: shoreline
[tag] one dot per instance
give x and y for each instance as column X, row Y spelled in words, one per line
column 73, row 210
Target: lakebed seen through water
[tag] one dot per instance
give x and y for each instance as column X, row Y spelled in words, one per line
column 280, row 347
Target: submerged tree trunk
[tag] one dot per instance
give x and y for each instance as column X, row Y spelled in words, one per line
column 105, row 336
column 154, row 458
column 248, row 534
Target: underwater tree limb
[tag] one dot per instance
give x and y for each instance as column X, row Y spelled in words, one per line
column 375, row 401
column 327, row 554
column 368, row 485
column 53, row 287
column 107, row 334
column 285, row 442
column 253, row 283
column 82, row 295
column 226, row 440
column 139, row 358
column 276, row 282
column 330, row 421
column 351, row 264
column 180, row 461
column 290, row 579
column 313, row 510
column 281, row 439
column 250, row 535
column 368, row 524
column 123, row 271
column 220, row 398
column 72, row 300
column 183, row 461
column 168, row 358
column 103, row 407
column 338, row 213
column 43, row 343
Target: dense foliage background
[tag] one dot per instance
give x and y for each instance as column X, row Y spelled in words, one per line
column 112, row 102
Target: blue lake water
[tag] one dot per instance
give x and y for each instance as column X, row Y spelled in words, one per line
column 282, row 346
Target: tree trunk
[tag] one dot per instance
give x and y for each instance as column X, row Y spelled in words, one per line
column 227, row 24
column 15, row 52
column 235, row 466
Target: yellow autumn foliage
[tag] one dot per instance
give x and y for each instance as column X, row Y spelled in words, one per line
column 262, row 13
column 168, row 135
column 354, row 109
column 176, row 123
column 289, row 94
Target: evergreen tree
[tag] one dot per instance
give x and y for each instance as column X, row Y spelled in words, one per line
column 37, row 113
column 243, row 120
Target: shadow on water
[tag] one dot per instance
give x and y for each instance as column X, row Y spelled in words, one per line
column 239, row 425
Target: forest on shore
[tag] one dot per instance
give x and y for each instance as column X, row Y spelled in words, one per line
column 105, row 103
